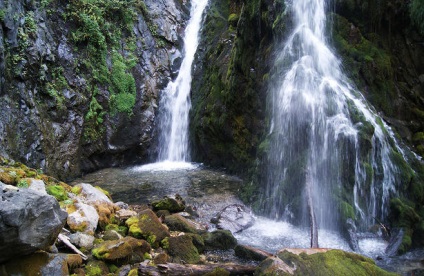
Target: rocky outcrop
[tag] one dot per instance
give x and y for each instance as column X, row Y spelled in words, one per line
column 30, row 221
column 79, row 87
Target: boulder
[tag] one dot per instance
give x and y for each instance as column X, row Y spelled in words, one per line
column 235, row 217
column 173, row 205
column 182, row 249
column 97, row 198
column 318, row 261
column 82, row 240
column 125, row 250
column 42, row 263
column 176, row 222
column 147, row 226
column 29, row 221
column 250, row 253
column 83, row 218
column 219, row 239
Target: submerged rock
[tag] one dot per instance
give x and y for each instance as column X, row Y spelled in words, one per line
column 235, row 217
column 29, row 221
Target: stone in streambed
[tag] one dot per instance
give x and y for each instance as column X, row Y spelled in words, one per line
column 219, row 239
column 176, row 222
column 147, row 226
column 173, row 205
column 250, row 253
column 182, row 249
column 125, row 250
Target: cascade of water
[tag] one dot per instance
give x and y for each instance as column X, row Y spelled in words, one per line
column 323, row 132
column 175, row 101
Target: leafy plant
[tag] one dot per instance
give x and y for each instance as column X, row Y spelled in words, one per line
column 22, row 184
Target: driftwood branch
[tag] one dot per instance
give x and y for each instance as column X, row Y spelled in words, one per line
column 66, row 241
column 193, row 270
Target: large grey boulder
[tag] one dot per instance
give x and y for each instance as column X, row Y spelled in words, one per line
column 29, row 221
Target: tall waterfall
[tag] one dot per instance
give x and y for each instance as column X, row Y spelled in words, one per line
column 175, row 101
column 327, row 147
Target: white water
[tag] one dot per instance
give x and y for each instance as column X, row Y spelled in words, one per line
column 175, row 100
column 312, row 133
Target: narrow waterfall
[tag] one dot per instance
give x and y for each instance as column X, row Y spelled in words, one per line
column 175, row 101
column 327, row 147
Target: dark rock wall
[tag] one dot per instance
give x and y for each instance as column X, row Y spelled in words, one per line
column 65, row 69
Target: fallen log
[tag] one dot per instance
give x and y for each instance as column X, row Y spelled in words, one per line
column 193, row 269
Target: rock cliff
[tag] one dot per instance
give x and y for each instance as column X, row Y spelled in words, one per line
column 79, row 81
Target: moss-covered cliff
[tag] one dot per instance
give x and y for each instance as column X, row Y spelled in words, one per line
column 80, row 80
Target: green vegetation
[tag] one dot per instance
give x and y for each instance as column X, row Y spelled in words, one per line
column 417, row 14
column 103, row 31
column 2, row 14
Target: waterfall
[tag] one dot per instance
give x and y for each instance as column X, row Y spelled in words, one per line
column 326, row 144
column 175, row 101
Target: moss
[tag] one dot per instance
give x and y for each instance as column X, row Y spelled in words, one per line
column 181, row 248
column 133, row 272
column 332, row 262
column 76, row 190
column 58, row 192
column 170, row 204
column 347, row 210
column 233, row 19
column 219, row 239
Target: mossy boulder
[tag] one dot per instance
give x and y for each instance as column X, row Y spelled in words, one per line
column 147, row 226
column 125, row 250
column 318, row 262
column 173, row 205
column 219, row 239
column 182, row 249
column 96, row 268
column 177, row 222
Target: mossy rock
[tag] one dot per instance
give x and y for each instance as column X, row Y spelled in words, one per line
column 96, row 268
column 182, row 249
column 126, row 250
column 219, row 239
column 176, row 222
column 319, row 262
column 147, row 226
column 197, row 241
column 121, row 229
column 171, row 204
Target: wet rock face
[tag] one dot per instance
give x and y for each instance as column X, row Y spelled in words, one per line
column 57, row 110
column 30, row 221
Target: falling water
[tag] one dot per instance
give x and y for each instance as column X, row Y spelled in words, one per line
column 326, row 144
column 175, row 100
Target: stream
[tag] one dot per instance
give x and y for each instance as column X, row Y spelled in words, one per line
column 209, row 191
